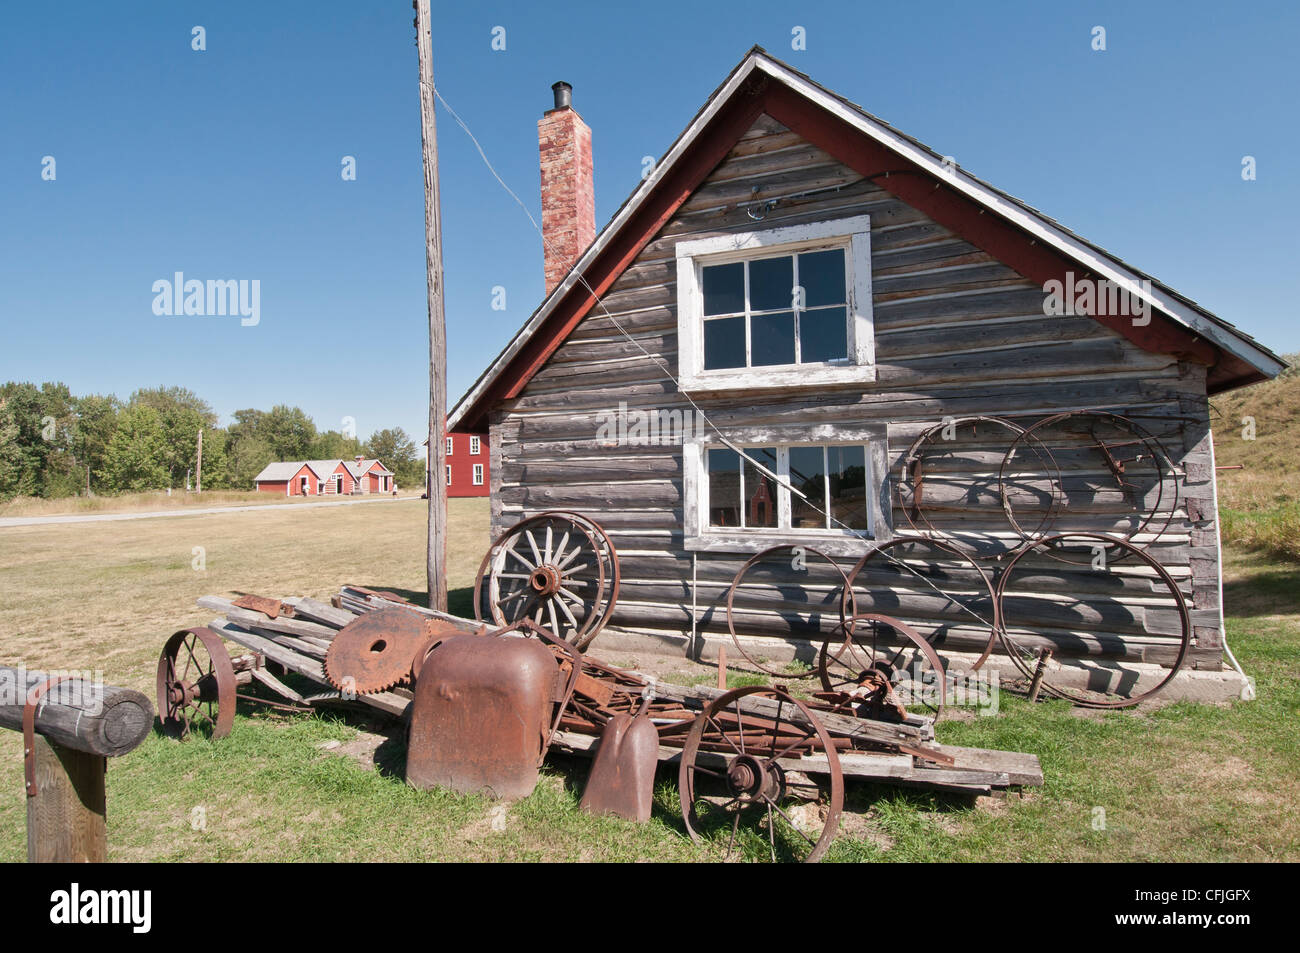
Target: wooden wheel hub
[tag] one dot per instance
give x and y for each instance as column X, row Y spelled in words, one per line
column 545, row 580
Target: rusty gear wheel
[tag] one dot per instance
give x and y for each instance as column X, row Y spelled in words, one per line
column 376, row 650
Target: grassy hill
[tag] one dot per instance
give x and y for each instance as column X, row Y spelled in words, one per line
column 1260, row 503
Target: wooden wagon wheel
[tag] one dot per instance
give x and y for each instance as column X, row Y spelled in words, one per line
column 609, row 559
column 550, row 569
column 905, row 661
column 840, row 602
column 731, row 776
column 1030, row 659
column 936, row 570
column 1131, row 456
column 914, row 471
column 196, row 685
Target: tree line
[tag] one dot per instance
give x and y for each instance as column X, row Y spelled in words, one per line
column 54, row 443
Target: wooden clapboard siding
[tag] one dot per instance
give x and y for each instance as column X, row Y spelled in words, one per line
column 957, row 333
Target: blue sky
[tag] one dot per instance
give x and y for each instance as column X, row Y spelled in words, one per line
column 226, row 163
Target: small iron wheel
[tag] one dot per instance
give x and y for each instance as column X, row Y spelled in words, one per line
column 549, row 569
column 196, row 685
column 878, row 644
column 792, row 582
column 731, row 775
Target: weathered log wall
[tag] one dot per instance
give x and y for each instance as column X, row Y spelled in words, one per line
column 957, row 333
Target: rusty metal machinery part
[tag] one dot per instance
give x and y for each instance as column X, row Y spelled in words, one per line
column 196, row 685
column 1034, row 668
column 908, row 664
column 376, row 650
column 730, row 775
column 885, row 555
column 552, row 569
column 1134, row 440
column 911, row 485
column 844, row 604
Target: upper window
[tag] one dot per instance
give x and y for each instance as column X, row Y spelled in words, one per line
column 475, row 445
column 449, row 445
column 786, row 307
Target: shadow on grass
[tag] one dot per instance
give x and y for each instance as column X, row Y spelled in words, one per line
column 459, row 601
column 1269, row 592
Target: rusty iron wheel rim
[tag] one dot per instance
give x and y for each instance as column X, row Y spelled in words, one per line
column 847, row 606
column 193, row 693
column 883, row 549
column 863, row 656
column 1156, row 449
column 768, row 782
column 912, row 475
column 1026, row 661
column 551, row 554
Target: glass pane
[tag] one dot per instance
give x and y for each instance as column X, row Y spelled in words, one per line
column 848, row 471
column 771, row 284
column 760, row 490
column 771, row 339
column 724, row 343
column 807, row 475
column 724, row 487
column 821, row 275
column 724, row 288
column 823, row 335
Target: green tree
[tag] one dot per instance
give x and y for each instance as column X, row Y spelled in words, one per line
column 332, row 445
column 11, row 452
column 136, row 458
column 96, row 421
column 181, row 414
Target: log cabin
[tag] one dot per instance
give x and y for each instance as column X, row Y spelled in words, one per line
column 671, row 341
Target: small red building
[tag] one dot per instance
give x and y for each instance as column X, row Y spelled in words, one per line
column 325, row 478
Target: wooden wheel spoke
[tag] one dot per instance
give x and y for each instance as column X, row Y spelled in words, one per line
column 532, row 544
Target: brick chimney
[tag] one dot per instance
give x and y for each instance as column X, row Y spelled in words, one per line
column 568, row 189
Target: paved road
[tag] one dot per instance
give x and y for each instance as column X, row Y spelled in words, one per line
column 187, row 511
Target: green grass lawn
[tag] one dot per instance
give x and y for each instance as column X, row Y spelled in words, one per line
column 1178, row 782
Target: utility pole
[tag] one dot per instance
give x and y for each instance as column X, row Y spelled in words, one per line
column 198, row 466
column 437, row 553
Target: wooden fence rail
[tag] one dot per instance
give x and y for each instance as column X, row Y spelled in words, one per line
column 77, row 724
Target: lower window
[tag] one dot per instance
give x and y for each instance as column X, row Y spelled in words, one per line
column 749, row 495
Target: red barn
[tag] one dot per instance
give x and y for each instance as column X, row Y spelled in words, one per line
column 467, row 464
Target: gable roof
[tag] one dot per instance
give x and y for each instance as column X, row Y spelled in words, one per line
column 1020, row 236
column 358, row 470
column 286, row 469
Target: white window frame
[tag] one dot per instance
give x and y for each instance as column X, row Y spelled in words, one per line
column 449, row 446
column 475, row 445
column 701, row 537
column 478, row 474
column 448, row 474
column 852, row 234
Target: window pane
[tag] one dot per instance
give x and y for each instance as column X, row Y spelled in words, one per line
column 724, row 487
column 848, row 471
column 821, row 275
column 771, row 339
column 771, row 284
column 724, row 288
column 724, row 343
column 807, row 475
column 823, row 335
column 760, row 490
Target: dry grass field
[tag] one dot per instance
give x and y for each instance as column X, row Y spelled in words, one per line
column 1177, row 782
